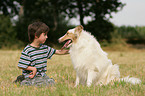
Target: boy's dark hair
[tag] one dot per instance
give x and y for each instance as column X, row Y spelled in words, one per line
column 36, row 28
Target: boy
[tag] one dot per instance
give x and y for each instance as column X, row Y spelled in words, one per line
column 33, row 60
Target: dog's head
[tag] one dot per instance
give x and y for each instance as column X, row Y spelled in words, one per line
column 71, row 36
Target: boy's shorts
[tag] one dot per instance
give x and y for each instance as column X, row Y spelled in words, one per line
column 38, row 81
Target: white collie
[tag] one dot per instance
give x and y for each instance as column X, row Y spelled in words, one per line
column 90, row 61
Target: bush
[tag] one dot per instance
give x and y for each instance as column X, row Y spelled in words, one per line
column 101, row 29
column 134, row 35
column 8, row 33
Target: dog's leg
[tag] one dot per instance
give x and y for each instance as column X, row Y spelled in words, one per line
column 77, row 81
column 90, row 78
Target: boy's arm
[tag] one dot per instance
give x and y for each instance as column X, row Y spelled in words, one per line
column 33, row 69
column 61, row 52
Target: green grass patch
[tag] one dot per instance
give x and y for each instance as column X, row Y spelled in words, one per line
column 61, row 69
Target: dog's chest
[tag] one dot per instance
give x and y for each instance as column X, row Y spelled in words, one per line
column 77, row 56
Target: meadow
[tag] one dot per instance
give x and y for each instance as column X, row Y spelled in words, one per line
column 131, row 62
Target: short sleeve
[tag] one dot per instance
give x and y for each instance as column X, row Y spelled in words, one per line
column 24, row 61
column 51, row 51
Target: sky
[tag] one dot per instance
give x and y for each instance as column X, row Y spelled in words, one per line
column 132, row 14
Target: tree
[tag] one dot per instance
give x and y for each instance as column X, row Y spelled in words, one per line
column 46, row 11
column 97, row 9
column 94, row 8
column 52, row 12
column 7, row 34
column 9, row 7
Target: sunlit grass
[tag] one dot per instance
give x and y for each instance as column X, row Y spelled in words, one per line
column 131, row 62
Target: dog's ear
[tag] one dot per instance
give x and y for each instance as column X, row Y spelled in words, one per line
column 79, row 28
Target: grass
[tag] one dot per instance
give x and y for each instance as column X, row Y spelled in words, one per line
column 131, row 62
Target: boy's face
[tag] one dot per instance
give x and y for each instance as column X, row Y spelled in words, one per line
column 42, row 38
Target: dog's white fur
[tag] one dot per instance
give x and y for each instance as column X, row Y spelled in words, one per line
column 91, row 62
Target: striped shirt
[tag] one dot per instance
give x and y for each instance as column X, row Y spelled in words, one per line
column 35, row 57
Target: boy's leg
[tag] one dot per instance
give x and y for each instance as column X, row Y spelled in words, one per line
column 42, row 81
column 49, row 81
column 39, row 81
column 26, row 81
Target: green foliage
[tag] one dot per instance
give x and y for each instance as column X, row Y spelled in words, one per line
column 141, row 31
column 128, row 32
column 6, row 31
column 38, row 10
column 53, row 13
column 91, row 8
column 54, row 16
column 9, row 7
column 53, row 35
column 132, row 34
column 101, row 30
column 21, row 30
column 100, row 27
column 8, row 34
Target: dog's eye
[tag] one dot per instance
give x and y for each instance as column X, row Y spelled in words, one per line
column 66, row 33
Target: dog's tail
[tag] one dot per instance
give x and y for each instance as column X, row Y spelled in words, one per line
column 131, row 80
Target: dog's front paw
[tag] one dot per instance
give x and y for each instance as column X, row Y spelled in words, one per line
column 88, row 84
column 76, row 85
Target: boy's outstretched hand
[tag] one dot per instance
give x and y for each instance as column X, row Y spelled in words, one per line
column 62, row 52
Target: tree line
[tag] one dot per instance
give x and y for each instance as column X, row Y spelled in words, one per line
column 133, row 35
column 54, row 13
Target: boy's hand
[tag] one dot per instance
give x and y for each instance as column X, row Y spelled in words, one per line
column 31, row 76
column 64, row 51
column 34, row 70
column 61, row 52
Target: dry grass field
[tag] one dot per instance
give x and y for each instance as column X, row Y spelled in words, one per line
column 131, row 62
